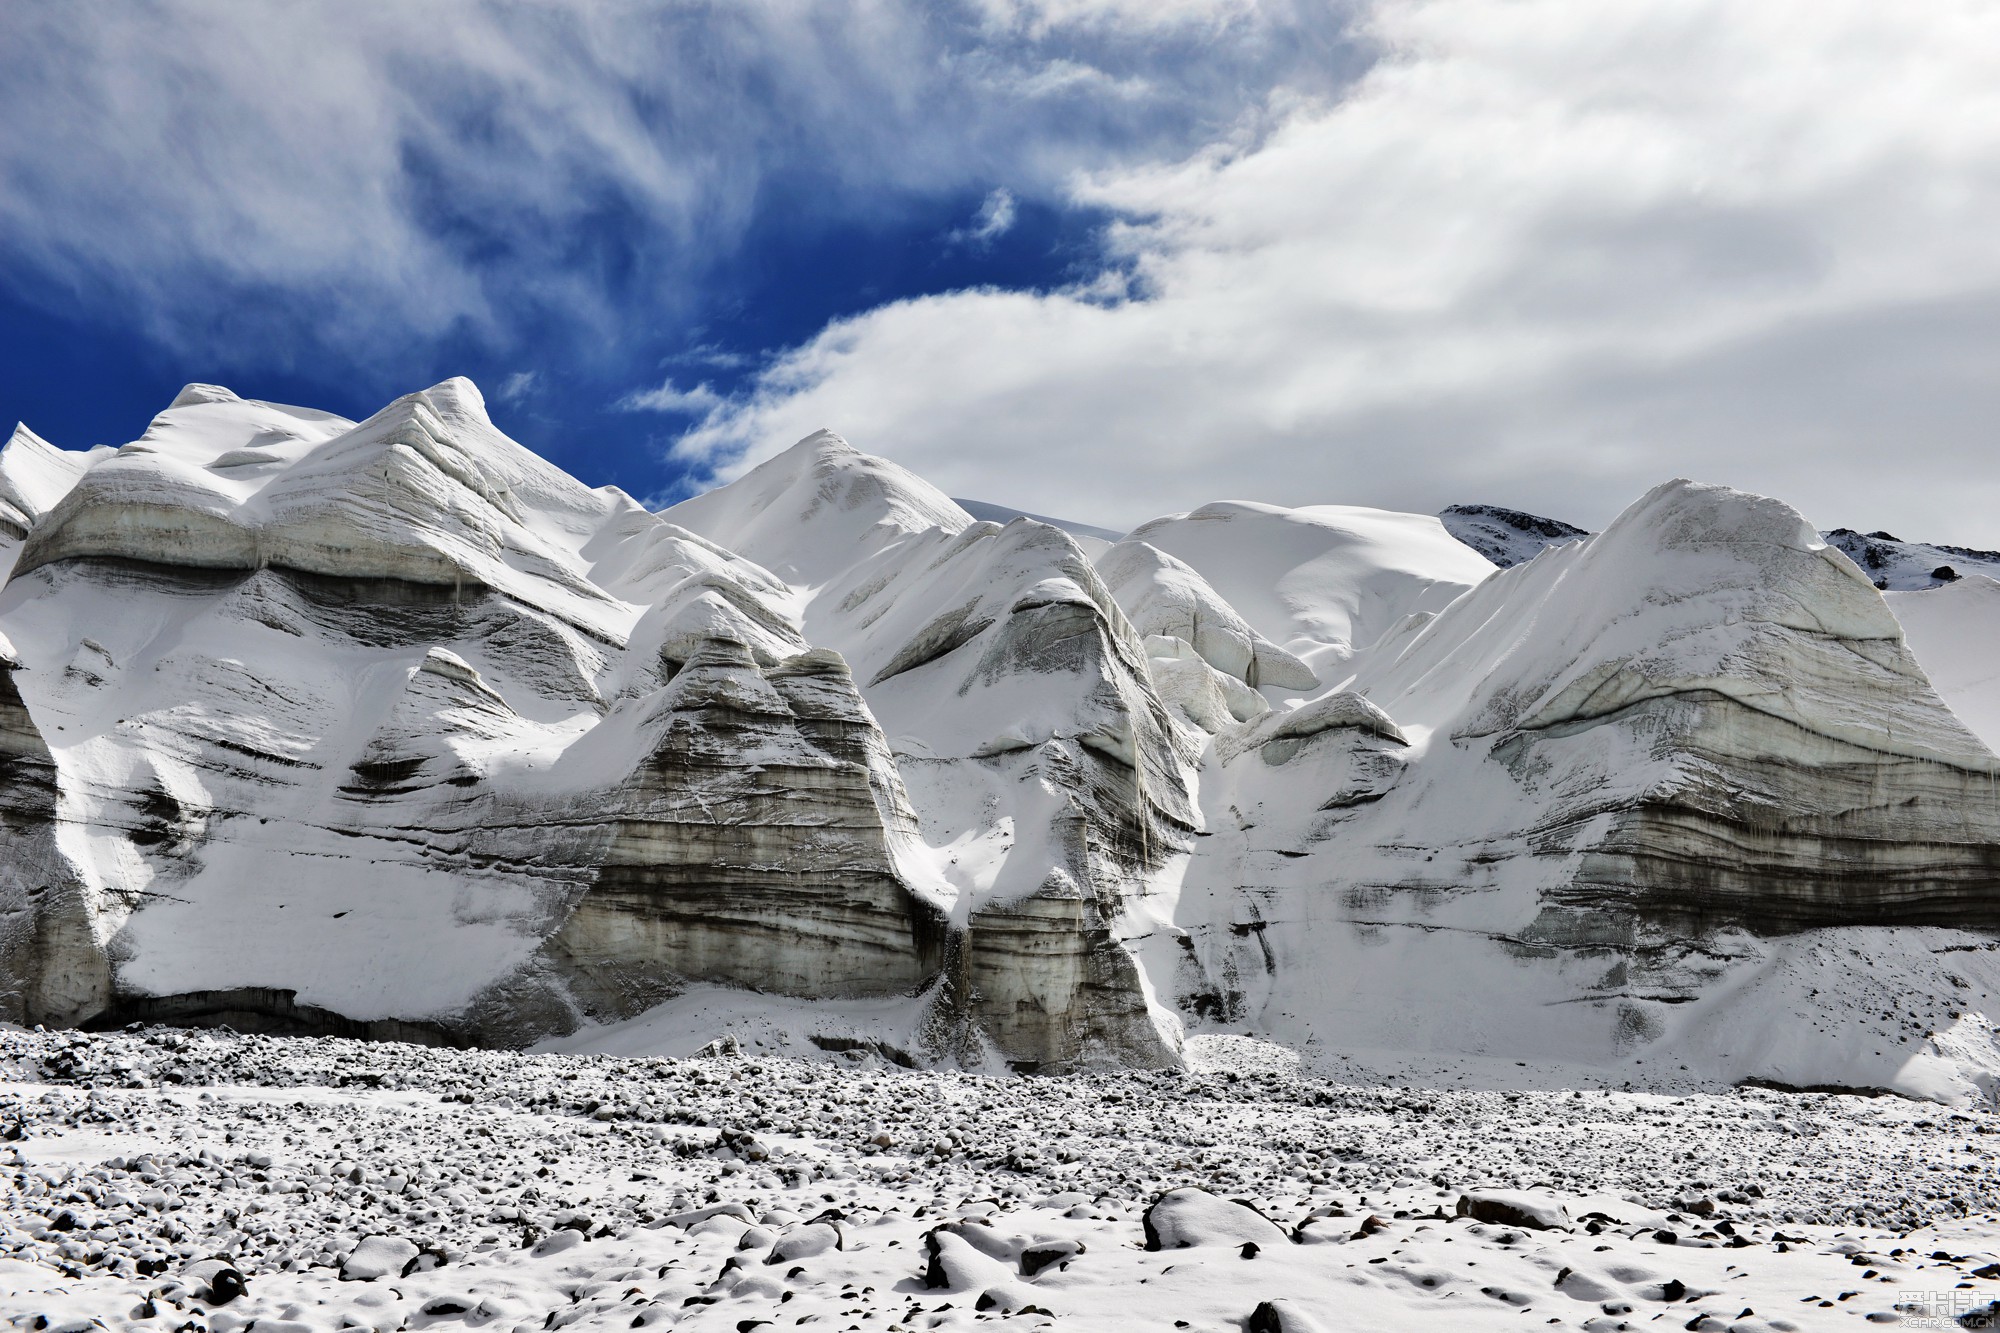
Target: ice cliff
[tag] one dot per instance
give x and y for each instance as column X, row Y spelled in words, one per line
column 391, row 728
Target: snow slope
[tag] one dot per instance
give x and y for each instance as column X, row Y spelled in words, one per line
column 1323, row 581
column 1089, row 536
column 1954, row 631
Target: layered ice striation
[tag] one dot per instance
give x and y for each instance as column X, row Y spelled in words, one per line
column 391, row 728
column 1049, row 778
column 1585, row 791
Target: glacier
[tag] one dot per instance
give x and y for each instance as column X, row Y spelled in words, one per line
column 392, row 729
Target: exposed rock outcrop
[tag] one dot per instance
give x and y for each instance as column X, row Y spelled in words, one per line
column 1505, row 536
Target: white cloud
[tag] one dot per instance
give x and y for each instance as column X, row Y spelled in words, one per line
column 389, row 174
column 516, row 386
column 1548, row 253
column 994, row 219
column 698, row 401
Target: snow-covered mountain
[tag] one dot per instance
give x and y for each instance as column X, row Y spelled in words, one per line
column 1507, row 537
column 391, row 728
column 1893, row 563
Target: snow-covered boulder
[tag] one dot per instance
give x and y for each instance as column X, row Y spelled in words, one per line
column 1514, row 1208
column 1183, row 1218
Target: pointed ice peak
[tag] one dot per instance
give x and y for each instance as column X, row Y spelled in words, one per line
column 26, row 438
column 444, row 662
column 194, row 395
column 1709, row 535
column 823, row 441
column 457, row 397
column 34, row 475
column 440, row 414
column 1694, row 593
column 1694, row 514
column 817, row 508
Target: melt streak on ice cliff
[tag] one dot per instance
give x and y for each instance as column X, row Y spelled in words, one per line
column 394, row 729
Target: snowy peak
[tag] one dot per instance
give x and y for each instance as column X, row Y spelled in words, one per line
column 1507, row 536
column 1510, row 537
column 817, row 509
column 194, row 395
column 425, row 492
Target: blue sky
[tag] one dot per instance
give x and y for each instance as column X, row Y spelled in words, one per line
column 1098, row 258
column 564, row 387
column 572, row 204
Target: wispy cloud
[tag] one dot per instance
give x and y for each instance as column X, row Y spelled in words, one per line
column 709, row 354
column 1546, row 254
column 994, row 219
column 517, row 386
column 360, row 178
column 701, row 400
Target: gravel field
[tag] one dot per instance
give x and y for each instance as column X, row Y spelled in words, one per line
column 182, row 1179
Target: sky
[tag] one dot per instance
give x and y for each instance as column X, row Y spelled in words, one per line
column 1104, row 259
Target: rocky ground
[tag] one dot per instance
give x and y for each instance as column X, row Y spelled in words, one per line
column 192, row 1180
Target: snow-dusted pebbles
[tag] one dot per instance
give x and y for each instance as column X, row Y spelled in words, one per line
column 170, row 1180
